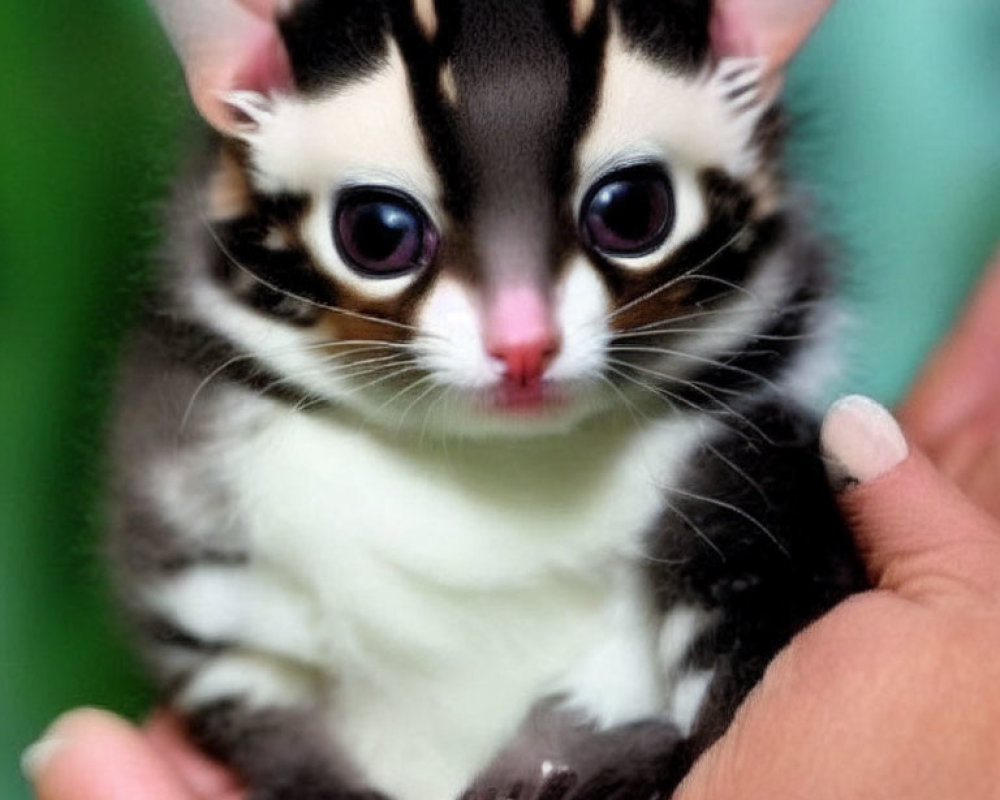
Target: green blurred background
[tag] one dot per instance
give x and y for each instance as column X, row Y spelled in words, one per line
column 899, row 111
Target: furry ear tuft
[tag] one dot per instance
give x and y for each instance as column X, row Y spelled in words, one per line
column 226, row 47
column 771, row 30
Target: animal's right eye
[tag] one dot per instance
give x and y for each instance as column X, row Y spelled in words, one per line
column 381, row 233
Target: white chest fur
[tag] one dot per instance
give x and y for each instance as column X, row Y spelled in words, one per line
column 454, row 583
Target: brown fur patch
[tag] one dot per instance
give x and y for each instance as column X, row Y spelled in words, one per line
column 365, row 319
column 229, row 194
column 447, row 85
column 651, row 306
column 426, row 16
column 580, row 13
column 356, row 338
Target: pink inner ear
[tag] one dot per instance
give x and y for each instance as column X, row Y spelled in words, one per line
column 769, row 29
column 266, row 67
column 730, row 37
column 248, row 56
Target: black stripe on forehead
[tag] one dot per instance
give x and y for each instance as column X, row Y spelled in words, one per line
column 525, row 84
column 331, row 42
column 673, row 32
column 512, row 74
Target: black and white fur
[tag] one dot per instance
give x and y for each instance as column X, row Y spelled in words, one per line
column 354, row 569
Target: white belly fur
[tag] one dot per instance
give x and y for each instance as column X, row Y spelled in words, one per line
column 457, row 583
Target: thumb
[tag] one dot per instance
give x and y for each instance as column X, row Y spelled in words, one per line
column 92, row 755
column 916, row 531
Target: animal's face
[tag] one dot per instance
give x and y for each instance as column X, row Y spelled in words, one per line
column 488, row 216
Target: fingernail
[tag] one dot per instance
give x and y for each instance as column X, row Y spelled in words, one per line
column 35, row 757
column 861, row 441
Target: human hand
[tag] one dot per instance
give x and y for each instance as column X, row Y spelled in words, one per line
column 94, row 755
column 953, row 411
column 894, row 693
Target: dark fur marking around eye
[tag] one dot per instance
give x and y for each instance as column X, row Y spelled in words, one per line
column 766, row 353
column 732, row 243
column 279, row 284
column 711, row 269
column 282, row 283
column 704, row 269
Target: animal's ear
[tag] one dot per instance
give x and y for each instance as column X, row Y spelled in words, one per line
column 232, row 54
column 771, row 30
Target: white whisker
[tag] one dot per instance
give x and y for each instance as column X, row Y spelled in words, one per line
column 446, row 393
column 673, row 398
column 189, row 409
column 404, row 391
column 403, row 370
column 735, row 510
column 696, row 530
column 666, row 376
column 755, row 485
column 634, row 410
column 433, row 387
column 661, row 394
column 676, row 280
column 667, row 329
column 715, row 363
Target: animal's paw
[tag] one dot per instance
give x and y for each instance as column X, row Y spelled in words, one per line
column 312, row 791
column 553, row 782
column 634, row 761
column 611, row 783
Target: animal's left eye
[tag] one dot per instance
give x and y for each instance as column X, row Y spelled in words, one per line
column 629, row 212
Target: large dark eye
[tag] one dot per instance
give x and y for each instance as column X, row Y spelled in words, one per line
column 381, row 233
column 629, row 212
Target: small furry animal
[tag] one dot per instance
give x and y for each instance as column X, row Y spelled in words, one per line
column 465, row 448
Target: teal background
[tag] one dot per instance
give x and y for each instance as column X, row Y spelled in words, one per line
column 899, row 133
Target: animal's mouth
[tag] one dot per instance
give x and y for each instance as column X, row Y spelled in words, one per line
column 527, row 397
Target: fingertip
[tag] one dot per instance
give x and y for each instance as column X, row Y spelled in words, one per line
column 60, row 734
column 913, row 527
column 89, row 754
column 860, row 441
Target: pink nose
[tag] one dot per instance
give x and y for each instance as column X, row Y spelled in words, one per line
column 521, row 334
column 525, row 362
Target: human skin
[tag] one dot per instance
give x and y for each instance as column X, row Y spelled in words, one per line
column 893, row 694
column 896, row 692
